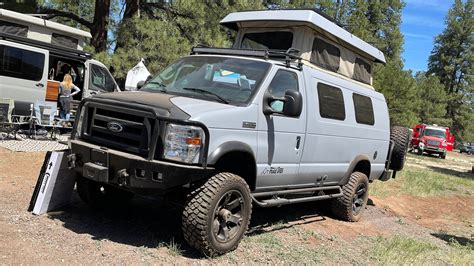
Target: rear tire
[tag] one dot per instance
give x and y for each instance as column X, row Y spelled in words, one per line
column 99, row 196
column 217, row 214
column 442, row 155
column 350, row 205
column 400, row 137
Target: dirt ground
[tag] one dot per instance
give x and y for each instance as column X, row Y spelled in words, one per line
column 148, row 231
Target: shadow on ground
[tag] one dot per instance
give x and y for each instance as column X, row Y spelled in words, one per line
column 464, row 241
column 462, row 174
column 152, row 223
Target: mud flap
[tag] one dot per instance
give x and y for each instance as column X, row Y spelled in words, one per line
column 55, row 184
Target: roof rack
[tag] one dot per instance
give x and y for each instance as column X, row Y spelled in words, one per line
column 53, row 49
column 289, row 55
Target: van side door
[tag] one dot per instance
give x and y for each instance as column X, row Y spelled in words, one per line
column 280, row 138
column 97, row 79
column 23, row 74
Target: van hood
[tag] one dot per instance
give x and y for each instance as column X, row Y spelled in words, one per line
column 196, row 107
column 160, row 102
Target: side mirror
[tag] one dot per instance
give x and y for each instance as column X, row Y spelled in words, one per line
column 140, row 84
column 292, row 104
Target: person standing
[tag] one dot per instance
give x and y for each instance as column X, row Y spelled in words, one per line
column 65, row 96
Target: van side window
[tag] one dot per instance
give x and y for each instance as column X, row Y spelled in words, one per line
column 19, row 63
column 100, row 79
column 364, row 110
column 13, row 28
column 331, row 102
column 325, row 55
column 362, row 71
column 282, row 82
column 274, row 40
column 63, row 40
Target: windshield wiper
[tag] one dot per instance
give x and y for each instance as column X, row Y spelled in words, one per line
column 208, row 93
column 162, row 86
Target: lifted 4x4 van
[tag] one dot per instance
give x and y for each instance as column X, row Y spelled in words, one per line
column 288, row 115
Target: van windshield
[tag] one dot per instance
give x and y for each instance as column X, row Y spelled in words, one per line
column 435, row 133
column 220, row 79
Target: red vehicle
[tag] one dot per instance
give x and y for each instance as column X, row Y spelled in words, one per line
column 432, row 139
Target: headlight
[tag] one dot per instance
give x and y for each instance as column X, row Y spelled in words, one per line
column 183, row 143
column 79, row 122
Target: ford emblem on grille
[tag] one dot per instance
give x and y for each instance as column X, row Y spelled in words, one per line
column 115, row 127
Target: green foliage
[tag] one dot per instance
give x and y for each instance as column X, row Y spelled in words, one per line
column 433, row 100
column 451, row 60
column 26, row 6
column 400, row 91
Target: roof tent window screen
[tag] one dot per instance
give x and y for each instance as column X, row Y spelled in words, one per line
column 14, row 29
column 331, row 102
column 362, row 71
column 63, row 40
column 364, row 110
column 325, row 55
column 272, row 40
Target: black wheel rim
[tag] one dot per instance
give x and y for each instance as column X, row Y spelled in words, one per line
column 359, row 198
column 228, row 216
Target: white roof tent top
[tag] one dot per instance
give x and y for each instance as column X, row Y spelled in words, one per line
column 312, row 18
column 15, row 16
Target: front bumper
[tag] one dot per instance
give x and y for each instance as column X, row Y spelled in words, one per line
column 427, row 148
column 130, row 171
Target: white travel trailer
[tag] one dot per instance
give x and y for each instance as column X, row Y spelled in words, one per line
column 36, row 53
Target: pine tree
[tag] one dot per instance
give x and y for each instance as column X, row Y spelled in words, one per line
column 432, row 99
column 451, row 61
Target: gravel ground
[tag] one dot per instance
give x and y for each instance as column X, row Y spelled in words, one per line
column 148, row 231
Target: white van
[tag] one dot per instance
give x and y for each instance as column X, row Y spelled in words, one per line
column 35, row 53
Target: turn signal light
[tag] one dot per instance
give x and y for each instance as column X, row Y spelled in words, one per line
column 193, row 141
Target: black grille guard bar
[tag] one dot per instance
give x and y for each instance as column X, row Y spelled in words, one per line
column 149, row 109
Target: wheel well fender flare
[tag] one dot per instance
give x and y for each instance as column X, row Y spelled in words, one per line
column 231, row 146
column 360, row 161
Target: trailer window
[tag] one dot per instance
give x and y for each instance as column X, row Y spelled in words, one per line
column 364, row 110
column 325, row 55
column 101, row 80
column 19, row 63
column 331, row 102
column 275, row 40
column 13, row 28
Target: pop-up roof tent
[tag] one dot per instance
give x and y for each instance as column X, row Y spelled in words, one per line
column 321, row 42
column 38, row 29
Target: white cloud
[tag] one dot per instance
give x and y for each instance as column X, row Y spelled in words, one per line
column 417, row 20
column 418, row 36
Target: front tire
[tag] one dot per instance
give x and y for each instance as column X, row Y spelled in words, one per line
column 99, row 196
column 217, row 214
column 350, row 205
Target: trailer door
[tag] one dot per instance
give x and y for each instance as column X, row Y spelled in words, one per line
column 23, row 74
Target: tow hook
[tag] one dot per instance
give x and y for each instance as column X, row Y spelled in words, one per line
column 122, row 177
column 71, row 161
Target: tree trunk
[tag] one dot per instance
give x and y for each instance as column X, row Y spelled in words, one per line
column 132, row 8
column 100, row 25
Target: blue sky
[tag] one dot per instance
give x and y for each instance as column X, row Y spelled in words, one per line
column 422, row 20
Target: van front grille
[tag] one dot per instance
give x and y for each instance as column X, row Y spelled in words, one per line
column 122, row 129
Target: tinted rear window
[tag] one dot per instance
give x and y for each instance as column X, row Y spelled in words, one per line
column 331, row 102
column 364, row 110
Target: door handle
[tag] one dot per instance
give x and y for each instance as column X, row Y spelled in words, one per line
column 39, row 85
column 298, row 141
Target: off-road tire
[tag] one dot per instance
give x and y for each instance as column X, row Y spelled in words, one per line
column 401, row 138
column 100, row 196
column 342, row 207
column 199, row 215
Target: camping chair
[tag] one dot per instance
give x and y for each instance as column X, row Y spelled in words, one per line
column 7, row 125
column 43, row 118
